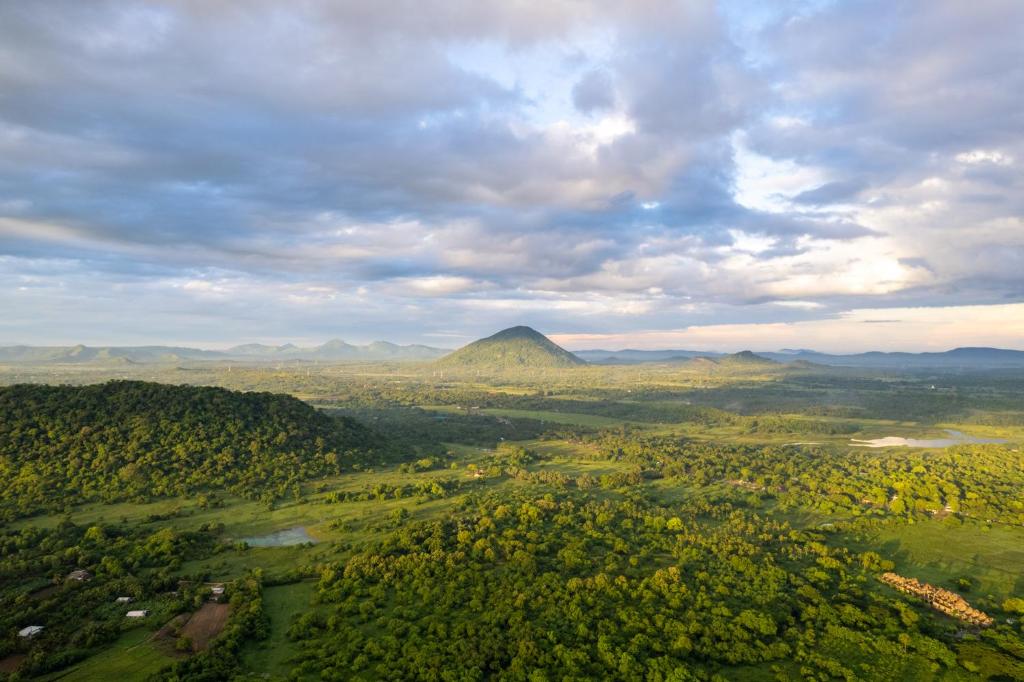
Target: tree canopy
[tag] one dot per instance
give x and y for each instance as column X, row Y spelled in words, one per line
column 129, row 440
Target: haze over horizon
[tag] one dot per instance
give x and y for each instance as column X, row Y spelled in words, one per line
column 712, row 338
column 707, row 175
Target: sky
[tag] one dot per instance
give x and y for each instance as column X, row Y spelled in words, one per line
column 841, row 176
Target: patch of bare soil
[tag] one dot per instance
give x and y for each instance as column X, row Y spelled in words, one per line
column 44, row 592
column 167, row 636
column 205, row 624
column 11, row 663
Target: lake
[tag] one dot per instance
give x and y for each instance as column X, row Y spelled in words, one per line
column 955, row 438
column 281, row 538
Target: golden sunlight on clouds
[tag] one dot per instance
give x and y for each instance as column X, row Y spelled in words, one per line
column 891, row 329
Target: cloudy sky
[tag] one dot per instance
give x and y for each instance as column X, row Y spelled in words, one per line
column 836, row 175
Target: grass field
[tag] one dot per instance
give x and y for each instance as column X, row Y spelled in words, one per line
column 132, row 657
column 938, row 553
column 571, row 418
column 281, row 603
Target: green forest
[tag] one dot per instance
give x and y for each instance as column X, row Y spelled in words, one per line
column 382, row 522
column 123, row 440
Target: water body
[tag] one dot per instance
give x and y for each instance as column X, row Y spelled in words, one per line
column 281, row 538
column 955, row 438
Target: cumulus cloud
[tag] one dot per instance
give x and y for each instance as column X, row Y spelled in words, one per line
column 581, row 167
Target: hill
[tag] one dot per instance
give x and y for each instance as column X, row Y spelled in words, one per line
column 335, row 350
column 131, row 440
column 955, row 359
column 747, row 358
column 45, row 355
column 630, row 356
column 513, row 348
column 332, row 351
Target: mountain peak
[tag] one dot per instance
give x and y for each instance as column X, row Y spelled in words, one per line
column 748, row 357
column 513, row 348
column 518, row 332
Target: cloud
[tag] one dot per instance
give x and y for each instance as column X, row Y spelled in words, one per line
column 630, row 167
column 593, row 91
column 830, row 193
column 915, row 329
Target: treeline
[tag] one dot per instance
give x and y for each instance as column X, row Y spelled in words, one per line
column 416, row 426
column 425, row 431
column 61, row 445
column 428, row 489
column 979, row 481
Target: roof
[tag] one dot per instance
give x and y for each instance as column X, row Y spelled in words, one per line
column 30, row 631
column 137, row 614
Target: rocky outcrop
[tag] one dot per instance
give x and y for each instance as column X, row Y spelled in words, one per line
column 949, row 603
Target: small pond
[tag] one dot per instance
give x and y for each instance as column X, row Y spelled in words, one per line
column 281, row 538
column 955, row 438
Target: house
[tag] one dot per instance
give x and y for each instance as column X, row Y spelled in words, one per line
column 80, row 575
column 123, row 600
column 137, row 614
column 30, row 631
column 216, row 591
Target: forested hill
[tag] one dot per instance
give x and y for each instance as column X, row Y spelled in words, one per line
column 136, row 440
column 514, row 348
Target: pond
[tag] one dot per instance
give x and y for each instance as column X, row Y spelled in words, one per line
column 281, row 538
column 955, row 438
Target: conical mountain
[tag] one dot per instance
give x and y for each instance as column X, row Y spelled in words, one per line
column 513, row 348
column 746, row 357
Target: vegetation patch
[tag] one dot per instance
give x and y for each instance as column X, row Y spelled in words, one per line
column 61, row 445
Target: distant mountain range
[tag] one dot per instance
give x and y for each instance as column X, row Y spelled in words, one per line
column 332, row 351
column 513, row 348
column 629, row 356
column 958, row 358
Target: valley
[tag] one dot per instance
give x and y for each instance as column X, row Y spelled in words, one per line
column 705, row 520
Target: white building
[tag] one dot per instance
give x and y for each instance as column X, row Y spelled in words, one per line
column 30, row 631
column 137, row 614
column 123, row 600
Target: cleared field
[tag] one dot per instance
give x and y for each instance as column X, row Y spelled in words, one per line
column 562, row 449
column 573, row 418
column 205, row 624
column 281, row 603
column 134, row 656
column 938, row 553
column 10, row 663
